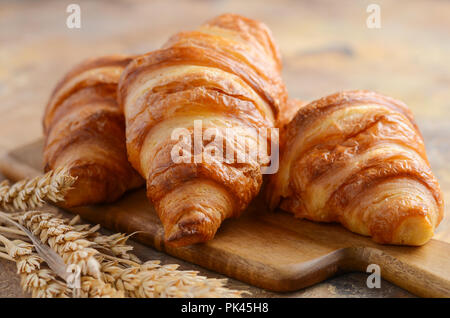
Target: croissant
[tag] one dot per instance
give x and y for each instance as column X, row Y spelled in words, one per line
column 358, row 158
column 84, row 130
column 226, row 74
column 288, row 112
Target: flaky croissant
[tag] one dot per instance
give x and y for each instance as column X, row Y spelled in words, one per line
column 358, row 158
column 226, row 74
column 84, row 130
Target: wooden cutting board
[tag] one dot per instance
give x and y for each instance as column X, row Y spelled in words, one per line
column 269, row 250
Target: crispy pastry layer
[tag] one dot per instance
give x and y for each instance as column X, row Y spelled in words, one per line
column 226, row 74
column 85, row 130
column 358, row 158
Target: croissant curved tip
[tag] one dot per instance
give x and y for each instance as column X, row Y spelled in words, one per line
column 414, row 231
column 193, row 227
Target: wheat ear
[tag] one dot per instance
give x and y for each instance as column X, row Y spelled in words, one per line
column 114, row 244
column 40, row 282
column 121, row 275
column 152, row 280
column 73, row 247
column 30, row 194
column 149, row 280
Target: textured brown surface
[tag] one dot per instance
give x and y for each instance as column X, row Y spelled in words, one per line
column 326, row 47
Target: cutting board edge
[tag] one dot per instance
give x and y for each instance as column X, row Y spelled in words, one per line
column 283, row 278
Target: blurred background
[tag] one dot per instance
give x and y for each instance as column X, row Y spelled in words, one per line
column 326, row 46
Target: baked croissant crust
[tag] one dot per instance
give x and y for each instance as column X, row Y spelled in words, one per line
column 226, row 74
column 358, row 158
column 288, row 112
column 84, row 130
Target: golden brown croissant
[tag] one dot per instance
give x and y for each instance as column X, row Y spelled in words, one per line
column 226, row 74
column 288, row 112
column 358, row 158
column 85, row 131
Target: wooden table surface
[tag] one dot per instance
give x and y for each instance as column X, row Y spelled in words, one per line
column 326, row 47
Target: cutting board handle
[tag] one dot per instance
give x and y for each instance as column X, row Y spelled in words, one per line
column 423, row 271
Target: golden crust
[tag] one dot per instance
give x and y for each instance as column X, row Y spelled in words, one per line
column 249, row 53
column 288, row 112
column 250, row 31
column 338, row 149
column 85, row 130
column 114, row 65
column 227, row 74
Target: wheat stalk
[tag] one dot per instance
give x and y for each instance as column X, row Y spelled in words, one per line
column 74, row 249
column 63, row 239
column 121, row 275
column 152, row 280
column 111, row 276
column 30, row 194
column 114, row 244
column 40, row 282
column 90, row 286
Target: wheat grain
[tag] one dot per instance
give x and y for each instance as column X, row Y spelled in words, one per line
column 40, row 282
column 30, row 194
column 61, row 237
column 114, row 244
column 96, row 288
column 152, row 280
column 73, row 248
column 121, row 275
column 6, row 256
